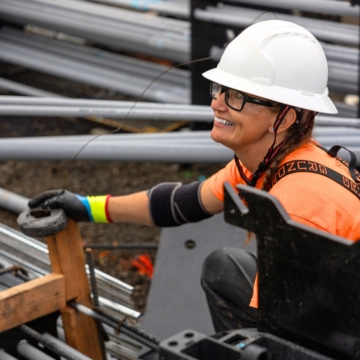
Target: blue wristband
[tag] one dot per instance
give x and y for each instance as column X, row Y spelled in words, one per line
column 84, row 200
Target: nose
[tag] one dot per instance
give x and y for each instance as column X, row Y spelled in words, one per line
column 219, row 103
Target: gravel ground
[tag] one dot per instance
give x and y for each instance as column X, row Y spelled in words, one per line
column 29, row 178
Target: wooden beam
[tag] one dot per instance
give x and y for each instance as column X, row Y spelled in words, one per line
column 67, row 257
column 31, row 300
column 80, row 340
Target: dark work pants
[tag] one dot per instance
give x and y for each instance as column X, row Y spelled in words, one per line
column 228, row 276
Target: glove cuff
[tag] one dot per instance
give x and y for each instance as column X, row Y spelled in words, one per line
column 98, row 208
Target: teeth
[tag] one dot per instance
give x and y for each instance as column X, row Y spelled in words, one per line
column 223, row 121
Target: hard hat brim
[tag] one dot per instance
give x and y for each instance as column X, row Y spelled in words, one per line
column 310, row 101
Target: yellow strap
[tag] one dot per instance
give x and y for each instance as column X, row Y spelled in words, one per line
column 97, row 207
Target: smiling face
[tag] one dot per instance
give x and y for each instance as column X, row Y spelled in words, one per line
column 247, row 132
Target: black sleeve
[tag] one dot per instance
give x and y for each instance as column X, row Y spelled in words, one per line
column 173, row 204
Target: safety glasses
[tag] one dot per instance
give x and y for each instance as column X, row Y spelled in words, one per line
column 234, row 99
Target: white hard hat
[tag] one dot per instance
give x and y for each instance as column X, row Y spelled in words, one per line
column 277, row 60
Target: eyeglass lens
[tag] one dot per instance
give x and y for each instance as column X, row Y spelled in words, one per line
column 233, row 98
column 215, row 90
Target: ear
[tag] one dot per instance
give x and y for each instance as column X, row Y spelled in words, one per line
column 289, row 120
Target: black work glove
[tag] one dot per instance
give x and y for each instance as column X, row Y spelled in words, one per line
column 73, row 204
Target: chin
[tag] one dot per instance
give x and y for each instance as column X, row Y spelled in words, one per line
column 214, row 136
column 220, row 139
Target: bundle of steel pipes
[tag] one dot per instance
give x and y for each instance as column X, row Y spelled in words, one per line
column 331, row 7
column 176, row 8
column 100, row 23
column 33, row 256
column 45, row 106
column 183, row 146
column 95, row 67
column 180, row 147
column 242, row 17
column 55, row 106
column 181, row 8
column 113, row 27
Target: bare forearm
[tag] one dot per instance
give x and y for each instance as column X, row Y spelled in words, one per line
column 132, row 208
column 212, row 204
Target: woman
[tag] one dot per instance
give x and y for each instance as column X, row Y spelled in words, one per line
column 266, row 90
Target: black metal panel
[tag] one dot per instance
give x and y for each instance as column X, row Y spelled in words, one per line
column 309, row 280
column 247, row 344
column 203, row 36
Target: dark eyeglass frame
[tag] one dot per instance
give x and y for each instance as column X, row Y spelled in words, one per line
column 247, row 98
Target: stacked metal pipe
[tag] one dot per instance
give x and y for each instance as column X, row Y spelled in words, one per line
column 5, row 356
column 17, row 248
column 44, row 106
column 116, row 347
column 181, row 8
column 116, row 28
column 176, row 8
column 33, row 256
column 181, row 147
column 131, row 76
column 95, row 67
column 346, row 110
column 331, row 7
column 172, row 147
column 122, row 110
column 160, row 36
column 242, row 17
column 18, row 88
column 50, row 106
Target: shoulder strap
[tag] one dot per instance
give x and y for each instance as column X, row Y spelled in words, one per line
column 333, row 153
column 294, row 166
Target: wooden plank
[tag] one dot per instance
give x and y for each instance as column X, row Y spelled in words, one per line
column 83, row 341
column 67, row 257
column 31, row 300
column 53, row 254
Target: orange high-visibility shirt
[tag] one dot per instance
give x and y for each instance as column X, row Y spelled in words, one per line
column 308, row 198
